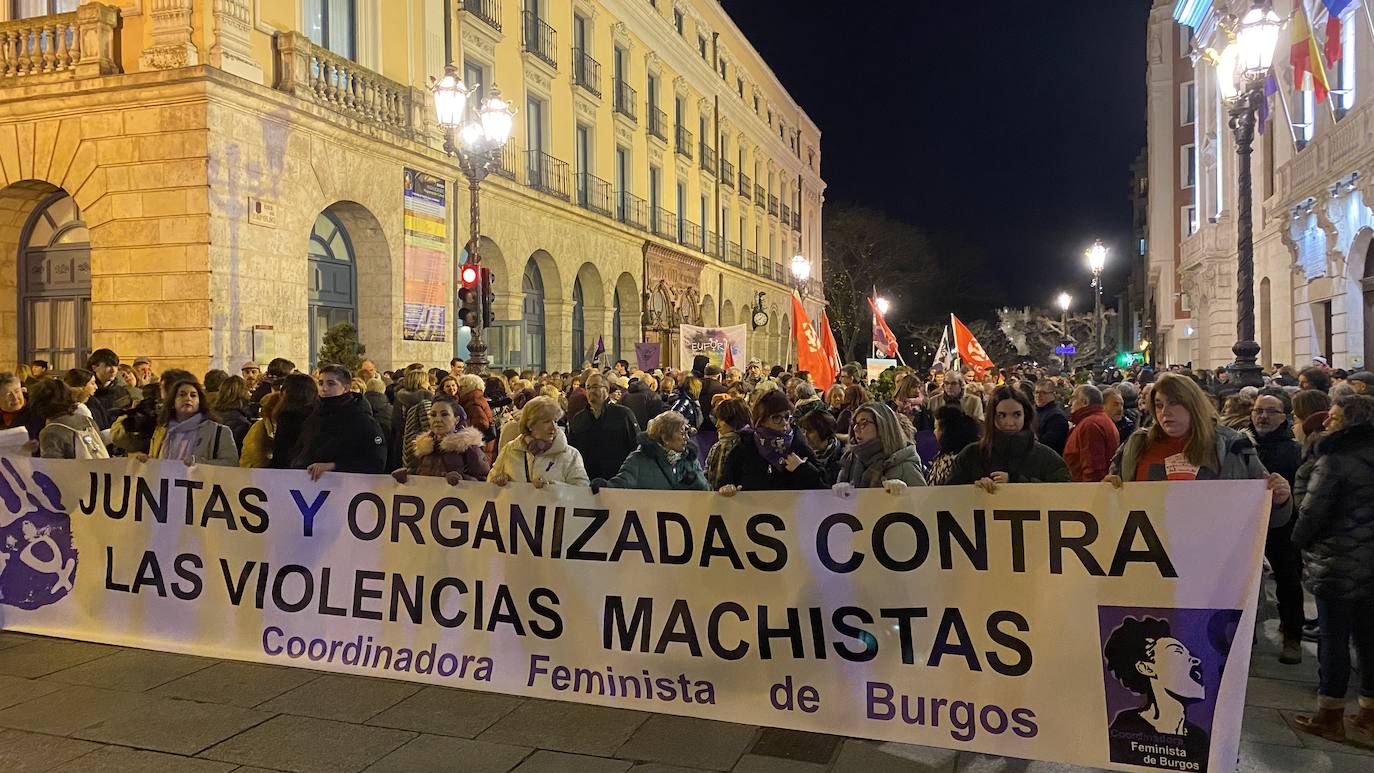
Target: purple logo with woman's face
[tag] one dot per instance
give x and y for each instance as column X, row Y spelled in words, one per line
column 37, row 560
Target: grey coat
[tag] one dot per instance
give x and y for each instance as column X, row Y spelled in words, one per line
column 904, row 465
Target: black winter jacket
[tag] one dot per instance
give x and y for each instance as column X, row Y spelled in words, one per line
column 1335, row 526
column 1020, row 456
column 1052, row 427
column 644, row 402
column 745, row 467
column 604, row 441
column 1279, row 451
column 342, row 431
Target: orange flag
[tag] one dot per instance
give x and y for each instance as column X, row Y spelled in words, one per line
column 729, row 355
column 811, row 354
column 970, row 351
column 828, row 345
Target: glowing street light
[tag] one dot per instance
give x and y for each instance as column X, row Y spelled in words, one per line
column 883, row 305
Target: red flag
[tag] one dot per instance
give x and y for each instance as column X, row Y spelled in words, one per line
column 1305, row 57
column 828, row 344
column 883, row 339
column 811, row 354
column 729, row 355
column 970, row 351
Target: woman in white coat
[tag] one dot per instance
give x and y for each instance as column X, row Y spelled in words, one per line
column 540, row 454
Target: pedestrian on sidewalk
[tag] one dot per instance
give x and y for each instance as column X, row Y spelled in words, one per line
column 1280, row 453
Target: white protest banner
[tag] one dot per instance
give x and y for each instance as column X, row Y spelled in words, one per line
column 1070, row 622
column 711, row 341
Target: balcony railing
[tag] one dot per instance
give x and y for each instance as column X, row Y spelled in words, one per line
column 684, row 141
column 626, row 100
column 540, row 39
column 665, row 223
column 707, row 158
column 488, row 11
column 772, row 204
column 727, row 173
column 745, row 185
column 594, row 193
column 546, row 173
column 786, row 214
column 586, row 72
column 796, row 221
column 689, row 235
column 510, row 161
column 658, row 123
column 715, row 246
column 316, row 73
column 632, row 210
column 734, row 255
column 54, row 43
column 751, row 261
column 760, row 198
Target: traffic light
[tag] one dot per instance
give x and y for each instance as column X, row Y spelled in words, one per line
column 488, row 290
column 468, row 297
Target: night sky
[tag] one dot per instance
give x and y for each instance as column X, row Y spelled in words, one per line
column 1007, row 125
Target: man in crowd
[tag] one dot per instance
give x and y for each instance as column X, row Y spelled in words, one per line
column 1094, row 439
column 1280, row 452
column 604, row 433
column 1315, row 378
column 1051, row 423
column 110, row 395
column 455, row 367
column 251, row 374
column 1362, row 381
column 1114, row 405
column 37, row 370
column 340, row 435
column 143, row 368
column 952, row 393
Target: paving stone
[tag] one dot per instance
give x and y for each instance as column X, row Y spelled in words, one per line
column 309, row 745
column 39, row 657
column 1265, row 725
column 698, row 743
column 1309, row 741
column 987, row 763
column 1267, row 758
column 345, row 698
column 68, row 709
column 446, row 711
column 14, row 690
column 117, row 759
column 861, row 756
column 1281, row 694
column 10, row 639
column 236, row 683
column 22, row 752
column 757, row 763
column 132, row 670
column 1265, row 664
column 568, row 727
column 441, row 753
column 558, row 762
column 169, row 725
column 796, row 745
column 658, row 767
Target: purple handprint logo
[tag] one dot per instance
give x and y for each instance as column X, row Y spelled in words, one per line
column 37, row 560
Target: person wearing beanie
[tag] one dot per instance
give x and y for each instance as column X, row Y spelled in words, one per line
column 771, row 455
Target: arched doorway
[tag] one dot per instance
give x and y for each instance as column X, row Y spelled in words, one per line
column 727, row 314
column 55, row 284
column 615, row 325
column 579, row 326
column 532, row 286
column 333, row 279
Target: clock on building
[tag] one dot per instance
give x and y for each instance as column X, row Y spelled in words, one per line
column 760, row 318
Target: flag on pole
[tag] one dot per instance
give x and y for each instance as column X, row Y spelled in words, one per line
column 943, row 355
column 883, row 339
column 729, row 356
column 811, row 357
column 1334, row 9
column 970, row 351
column 828, row 345
column 1271, row 87
column 1308, row 70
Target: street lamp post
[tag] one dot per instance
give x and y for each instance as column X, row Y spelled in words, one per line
column 475, row 136
column 1240, row 76
column 1065, row 300
column 1097, row 260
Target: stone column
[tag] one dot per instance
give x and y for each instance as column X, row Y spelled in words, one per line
column 231, row 50
column 170, row 22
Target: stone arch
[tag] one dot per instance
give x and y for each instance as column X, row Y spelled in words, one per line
column 773, row 345
column 727, row 314
column 784, row 341
column 709, row 317
column 624, row 322
column 1359, row 275
column 593, row 312
column 361, row 233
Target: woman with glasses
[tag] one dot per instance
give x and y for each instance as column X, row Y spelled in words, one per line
column 666, row 459
column 771, row 455
column 879, row 455
column 1008, row 451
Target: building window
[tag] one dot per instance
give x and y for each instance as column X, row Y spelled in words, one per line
column 1185, row 40
column 739, row 84
column 1189, row 222
column 681, row 211
column 28, row 9
column 1343, row 75
column 701, row 45
column 329, row 23
column 756, row 104
column 474, row 77
column 1187, row 166
column 654, row 203
column 1187, row 104
column 1219, row 181
column 679, row 22
column 722, row 69
column 1304, row 116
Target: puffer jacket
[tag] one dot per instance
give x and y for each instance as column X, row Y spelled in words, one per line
column 459, row 452
column 560, row 464
column 647, row 467
column 1335, row 526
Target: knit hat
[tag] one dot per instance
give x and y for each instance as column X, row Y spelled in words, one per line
column 1362, row 376
column 770, row 403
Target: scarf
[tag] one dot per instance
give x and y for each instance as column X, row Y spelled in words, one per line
column 774, row 446
column 538, row 447
column 673, row 456
column 1009, row 450
column 863, row 463
column 180, row 443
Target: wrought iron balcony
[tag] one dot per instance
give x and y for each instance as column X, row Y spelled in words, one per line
column 488, row 11
column 772, row 204
column 760, row 198
column 594, row 193
column 658, row 123
column 796, row 221
column 746, row 186
column 540, row 39
column 786, row 214
column 546, row 173
column 632, row 210
column 689, row 235
column 684, row 141
column 707, row 158
column 586, row 72
column 715, row 246
column 727, row 173
column 626, row 100
column 734, row 255
column 664, row 223
column 751, row 261
column 510, row 161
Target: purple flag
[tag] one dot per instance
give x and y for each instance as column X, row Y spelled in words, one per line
column 1271, row 87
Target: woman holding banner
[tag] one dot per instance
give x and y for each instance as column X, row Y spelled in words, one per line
column 450, row 449
column 1008, row 451
column 879, row 455
column 540, row 453
column 666, row 459
column 770, row 456
column 188, row 432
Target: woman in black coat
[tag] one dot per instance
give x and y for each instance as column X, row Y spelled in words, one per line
column 1008, row 451
column 300, row 395
column 772, row 455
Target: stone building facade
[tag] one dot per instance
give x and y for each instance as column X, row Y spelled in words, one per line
column 211, row 182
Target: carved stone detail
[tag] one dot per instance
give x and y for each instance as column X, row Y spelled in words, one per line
column 232, row 50
column 474, row 37
column 170, row 22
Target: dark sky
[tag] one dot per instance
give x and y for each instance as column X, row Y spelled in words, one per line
column 1006, row 124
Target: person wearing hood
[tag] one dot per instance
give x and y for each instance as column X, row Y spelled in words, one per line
column 666, row 459
column 1281, row 453
column 642, row 399
column 450, row 449
column 1184, row 442
column 604, row 433
column 1093, row 441
column 67, row 433
column 340, row 435
column 1008, row 451
column 1335, row 530
column 540, row 453
column 771, row 455
column 879, row 454
column 187, row 431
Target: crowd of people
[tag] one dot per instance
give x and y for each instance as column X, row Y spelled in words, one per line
column 1309, row 434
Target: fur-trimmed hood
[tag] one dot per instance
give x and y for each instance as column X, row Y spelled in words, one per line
column 453, row 443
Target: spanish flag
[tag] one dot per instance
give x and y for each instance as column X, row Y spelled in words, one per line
column 1306, row 57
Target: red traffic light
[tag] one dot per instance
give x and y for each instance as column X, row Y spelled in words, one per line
column 469, row 276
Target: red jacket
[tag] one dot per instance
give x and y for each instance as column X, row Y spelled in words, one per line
column 1091, row 444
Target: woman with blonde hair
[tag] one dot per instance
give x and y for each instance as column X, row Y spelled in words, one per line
column 1186, row 443
column 665, row 460
column 540, row 453
column 257, row 444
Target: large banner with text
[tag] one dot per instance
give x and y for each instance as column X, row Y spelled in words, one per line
column 712, row 342
column 1072, row 622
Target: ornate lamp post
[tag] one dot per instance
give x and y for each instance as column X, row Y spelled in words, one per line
column 1240, row 77
column 1097, row 260
column 475, row 135
column 1065, row 300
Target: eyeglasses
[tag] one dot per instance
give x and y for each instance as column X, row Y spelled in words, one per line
column 863, row 423
column 781, row 417
column 1266, row 412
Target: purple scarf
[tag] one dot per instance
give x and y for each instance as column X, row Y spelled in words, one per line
column 774, row 446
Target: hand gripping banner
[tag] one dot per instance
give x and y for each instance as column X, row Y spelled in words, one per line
column 1070, row 622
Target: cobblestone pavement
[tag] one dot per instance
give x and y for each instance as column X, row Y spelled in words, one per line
column 75, row 706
